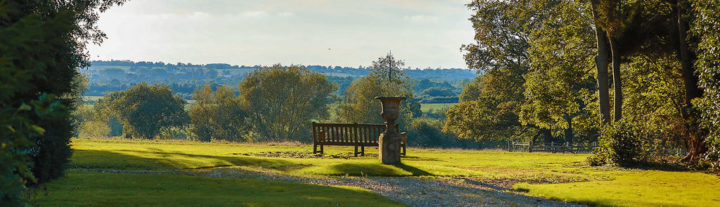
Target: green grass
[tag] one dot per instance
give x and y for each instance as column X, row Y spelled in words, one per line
column 435, row 106
column 564, row 177
column 149, row 155
column 637, row 188
column 83, row 188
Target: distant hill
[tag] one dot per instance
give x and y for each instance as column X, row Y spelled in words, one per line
column 184, row 78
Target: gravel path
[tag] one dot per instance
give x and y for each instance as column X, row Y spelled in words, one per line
column 412, row 191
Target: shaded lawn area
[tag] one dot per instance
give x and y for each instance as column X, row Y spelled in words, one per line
column 84, row 188
column 565, row 177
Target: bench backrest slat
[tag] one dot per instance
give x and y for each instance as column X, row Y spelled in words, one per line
column 346, row 133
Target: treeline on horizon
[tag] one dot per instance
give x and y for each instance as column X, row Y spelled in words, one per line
column 270, row 104
column 432, row 85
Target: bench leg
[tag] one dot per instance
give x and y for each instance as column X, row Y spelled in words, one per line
column 362, row 150
column 322, row 149
column 314, row 148
column 356, row 151
column 404, row 150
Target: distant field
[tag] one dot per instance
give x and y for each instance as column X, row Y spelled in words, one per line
column 435, row 106
column 91, row 98
column 564, row 177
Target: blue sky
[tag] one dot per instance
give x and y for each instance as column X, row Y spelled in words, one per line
column 423, row 33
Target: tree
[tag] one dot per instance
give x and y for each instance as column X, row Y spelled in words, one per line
column 601, row 64
column 500, row 52
column 282, row 101
column 706, row 27
column 144, row 110
column 559, row 87
column 218, row 115
column 385, row 79
column 42, row 46
column 388, row 69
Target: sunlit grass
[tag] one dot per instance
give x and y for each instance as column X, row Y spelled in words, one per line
column 637, row 188
column 163, row 155
column 558, row 176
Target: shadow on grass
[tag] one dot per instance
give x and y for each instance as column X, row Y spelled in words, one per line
column 671, row 167
column 355, row 169
column 415, row 171
column 164, row 160
column 111, row 160
column 85, row 188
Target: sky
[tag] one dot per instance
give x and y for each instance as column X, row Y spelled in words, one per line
column 423, row 33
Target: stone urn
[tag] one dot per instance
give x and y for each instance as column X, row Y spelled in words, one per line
column 389, row 141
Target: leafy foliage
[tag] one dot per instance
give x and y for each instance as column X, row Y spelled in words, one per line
column 42, row 45
column 559, row 87
column 385, row 79
column 218, row 115
column 491, row 105
column 707, row 28
column 620, row 144
column 282, row 101
column 144, row 110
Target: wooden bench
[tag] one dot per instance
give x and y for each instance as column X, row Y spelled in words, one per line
column 358, row 135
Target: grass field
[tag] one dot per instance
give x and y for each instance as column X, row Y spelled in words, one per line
column 82, row 188
column 564, row 177
column 435, row 106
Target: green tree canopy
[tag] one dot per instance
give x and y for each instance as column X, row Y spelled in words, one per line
column 282, row 101
column 219, row 115
column 146, row 109
column 385, row 79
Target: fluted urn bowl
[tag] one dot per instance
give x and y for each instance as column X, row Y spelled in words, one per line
column 390, row 108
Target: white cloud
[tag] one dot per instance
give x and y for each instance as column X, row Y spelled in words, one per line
column 285, row 14
column 255, row 14
column 421, row 18
column 424, row 33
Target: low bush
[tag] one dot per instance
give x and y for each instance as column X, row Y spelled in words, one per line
column 620, row 144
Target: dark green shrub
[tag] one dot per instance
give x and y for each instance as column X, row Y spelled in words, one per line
column 620, row 144
column 52, row 152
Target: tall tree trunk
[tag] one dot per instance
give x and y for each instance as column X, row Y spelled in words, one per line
column 569, row 131
column 601, row 61
column 617, row 82
column 687, row 58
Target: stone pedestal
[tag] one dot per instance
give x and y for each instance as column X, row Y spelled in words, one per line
column 390, row 139
column 389, row 149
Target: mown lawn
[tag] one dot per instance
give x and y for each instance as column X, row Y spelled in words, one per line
column 83, row 188
column 564, row 177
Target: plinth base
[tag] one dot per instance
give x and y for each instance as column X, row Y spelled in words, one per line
column 389, row 149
